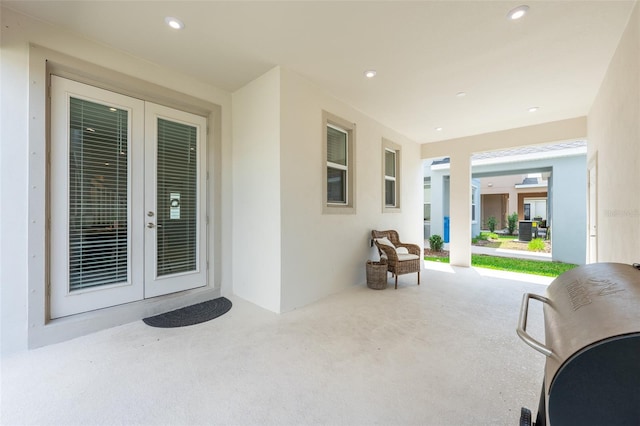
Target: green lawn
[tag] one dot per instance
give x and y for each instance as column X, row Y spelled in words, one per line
column 503, row 241
column 536, row 267
column 509, row 242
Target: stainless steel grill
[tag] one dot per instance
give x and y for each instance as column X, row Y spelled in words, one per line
column 592, row 347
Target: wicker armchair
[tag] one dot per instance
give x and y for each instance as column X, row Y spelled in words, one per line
column 399, row 260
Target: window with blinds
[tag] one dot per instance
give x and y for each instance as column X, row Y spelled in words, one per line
column 98, row 194
column 391, row 182
column 337, row 165
column 176, row 192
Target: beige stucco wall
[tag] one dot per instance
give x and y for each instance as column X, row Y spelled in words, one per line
column 271, row 238
column 297, row 253
column 614, row 144
column 326, row 253
column 256, row 191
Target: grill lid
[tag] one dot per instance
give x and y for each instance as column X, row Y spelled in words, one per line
column 587, row 305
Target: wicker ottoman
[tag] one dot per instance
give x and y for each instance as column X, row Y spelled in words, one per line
column 377, row 275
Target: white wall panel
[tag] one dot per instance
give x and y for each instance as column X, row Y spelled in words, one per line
column 614, row 136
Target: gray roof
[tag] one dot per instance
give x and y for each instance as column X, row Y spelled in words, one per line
column 529, row 150
column 525, row 150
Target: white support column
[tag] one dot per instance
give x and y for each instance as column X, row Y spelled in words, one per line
column 460, row 225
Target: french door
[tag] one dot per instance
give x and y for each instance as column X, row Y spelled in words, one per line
column 127, row 198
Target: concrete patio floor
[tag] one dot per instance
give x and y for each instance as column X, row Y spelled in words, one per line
column 442, row 353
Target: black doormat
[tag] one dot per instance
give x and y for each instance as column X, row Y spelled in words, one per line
column 190, row 315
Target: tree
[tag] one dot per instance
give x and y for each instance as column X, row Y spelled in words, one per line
column 491, row 223
column 513, row 222
column 435, row 242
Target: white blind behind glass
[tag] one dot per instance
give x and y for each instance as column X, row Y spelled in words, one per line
column 176, row 197
column 336, row 146
column 98, row 189
column 390, row 163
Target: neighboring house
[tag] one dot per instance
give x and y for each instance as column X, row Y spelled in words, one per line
column 523, row 194
column 501, row 184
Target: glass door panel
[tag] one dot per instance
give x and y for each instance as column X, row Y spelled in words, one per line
column 98, row 195
column 177, row 203
column 175, row 199
column 93, row 242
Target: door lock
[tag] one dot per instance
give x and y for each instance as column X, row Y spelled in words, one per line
column 150, row 225
column 150, row 213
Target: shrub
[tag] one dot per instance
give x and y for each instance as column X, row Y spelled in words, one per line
column 536, row 245
column 493, row 236
column 435, row 242
column 491, row 223
column 513, row 222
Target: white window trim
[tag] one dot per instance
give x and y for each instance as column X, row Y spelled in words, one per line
column 341, row 167
column 388, row 145
column 348, row 207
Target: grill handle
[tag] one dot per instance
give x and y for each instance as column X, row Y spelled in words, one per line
column 522, row 324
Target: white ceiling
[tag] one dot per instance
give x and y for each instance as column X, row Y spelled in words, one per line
column 424, row 52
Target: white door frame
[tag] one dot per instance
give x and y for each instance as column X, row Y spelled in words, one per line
column 64, row 302
column 592, row 194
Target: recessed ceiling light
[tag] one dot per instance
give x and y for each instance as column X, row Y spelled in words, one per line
column 370, row 73
column 438, row 129
column 174, row 23
column 518, row 12
column 461, row 94
column 533, row 109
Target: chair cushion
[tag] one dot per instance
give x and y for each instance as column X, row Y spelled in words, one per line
column 403, row 257
column 399, row 250
column 385, row 241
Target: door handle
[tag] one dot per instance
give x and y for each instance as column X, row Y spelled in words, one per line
column 150, row 225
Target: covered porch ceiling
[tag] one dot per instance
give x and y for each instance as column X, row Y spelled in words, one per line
column 445, row 69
